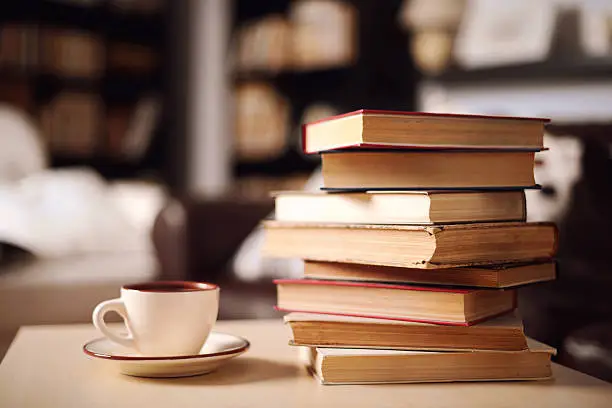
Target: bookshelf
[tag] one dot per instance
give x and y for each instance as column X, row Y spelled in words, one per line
column 575, row 68
column 376, row 73
column 107, row 53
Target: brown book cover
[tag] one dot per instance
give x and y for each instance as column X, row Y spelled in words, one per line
column 322, row 330
column 427, row 169
column 486, row 276
column 371, row 366
column 72, row 53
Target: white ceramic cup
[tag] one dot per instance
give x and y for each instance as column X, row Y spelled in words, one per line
column 163, row 318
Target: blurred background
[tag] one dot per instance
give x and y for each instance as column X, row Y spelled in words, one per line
column 140, row 139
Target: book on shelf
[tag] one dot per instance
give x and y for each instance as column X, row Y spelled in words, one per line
column 263, row 45
column 427, row 169
column 262, row 122
column 393, row 129
column 323, row 34
column 441, row 305
column 145, row 7
column 72, row 53
column 412, row 245
column 406, row 207
column 17, row 92
column 72, row 123
column 487, row 276
column 142, row 126
column 117, row 123
column 313, row 329
column 130, row 128
column 18, row 45
column 132, row 58
column 363, row 366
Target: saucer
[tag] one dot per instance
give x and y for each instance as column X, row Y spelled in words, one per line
column 219, row 348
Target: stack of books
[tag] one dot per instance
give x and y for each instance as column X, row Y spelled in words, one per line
column 414, row 249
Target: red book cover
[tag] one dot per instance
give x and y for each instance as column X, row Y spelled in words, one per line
column 404, row 113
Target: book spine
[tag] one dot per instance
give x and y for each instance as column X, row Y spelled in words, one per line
column 524, row 215
column 304, row 130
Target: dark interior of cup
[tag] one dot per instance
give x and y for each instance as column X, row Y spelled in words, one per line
column 171, row 286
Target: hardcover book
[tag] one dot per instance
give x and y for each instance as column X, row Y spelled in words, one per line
column 363, row 366
column 412, row 246
column 314, row 329
column 409, row 207
column 427, row 169
column 486, row 276
column 442, row 305
column 394, row 129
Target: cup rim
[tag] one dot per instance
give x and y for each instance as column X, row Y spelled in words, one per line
column 157, row 286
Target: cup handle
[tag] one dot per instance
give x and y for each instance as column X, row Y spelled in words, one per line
column 113, row 305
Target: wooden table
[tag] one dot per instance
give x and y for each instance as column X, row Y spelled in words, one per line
column 45, row 367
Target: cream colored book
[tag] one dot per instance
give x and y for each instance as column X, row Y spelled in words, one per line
column 442, row 305
column 314, row 329
column 364, row 366
column 391, row 129
column 406, row 207
column 412, row 246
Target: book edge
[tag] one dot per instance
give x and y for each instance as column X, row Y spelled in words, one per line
column 323, row 282
column 446, row 323
column 313, row 317
column 293, row 343
column 408, row 227
column 429, row 189
column 427, row 114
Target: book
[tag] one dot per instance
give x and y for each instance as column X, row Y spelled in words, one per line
column 442, row 305
column 375, row 128
column 72, row 123
column 135, row 7
column 323, row 34
column 427, row 169
column 118, row 119
column 410, row 207
column 489, row 276
column 132, row 58
column 18, row 45
column 263, row 45
column 414, row 246
column 72, row 53
column 17, row 92
column 313, row 329
column 262, row 121
column 363, row 366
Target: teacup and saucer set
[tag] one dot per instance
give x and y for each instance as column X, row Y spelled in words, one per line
column 169, row 331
